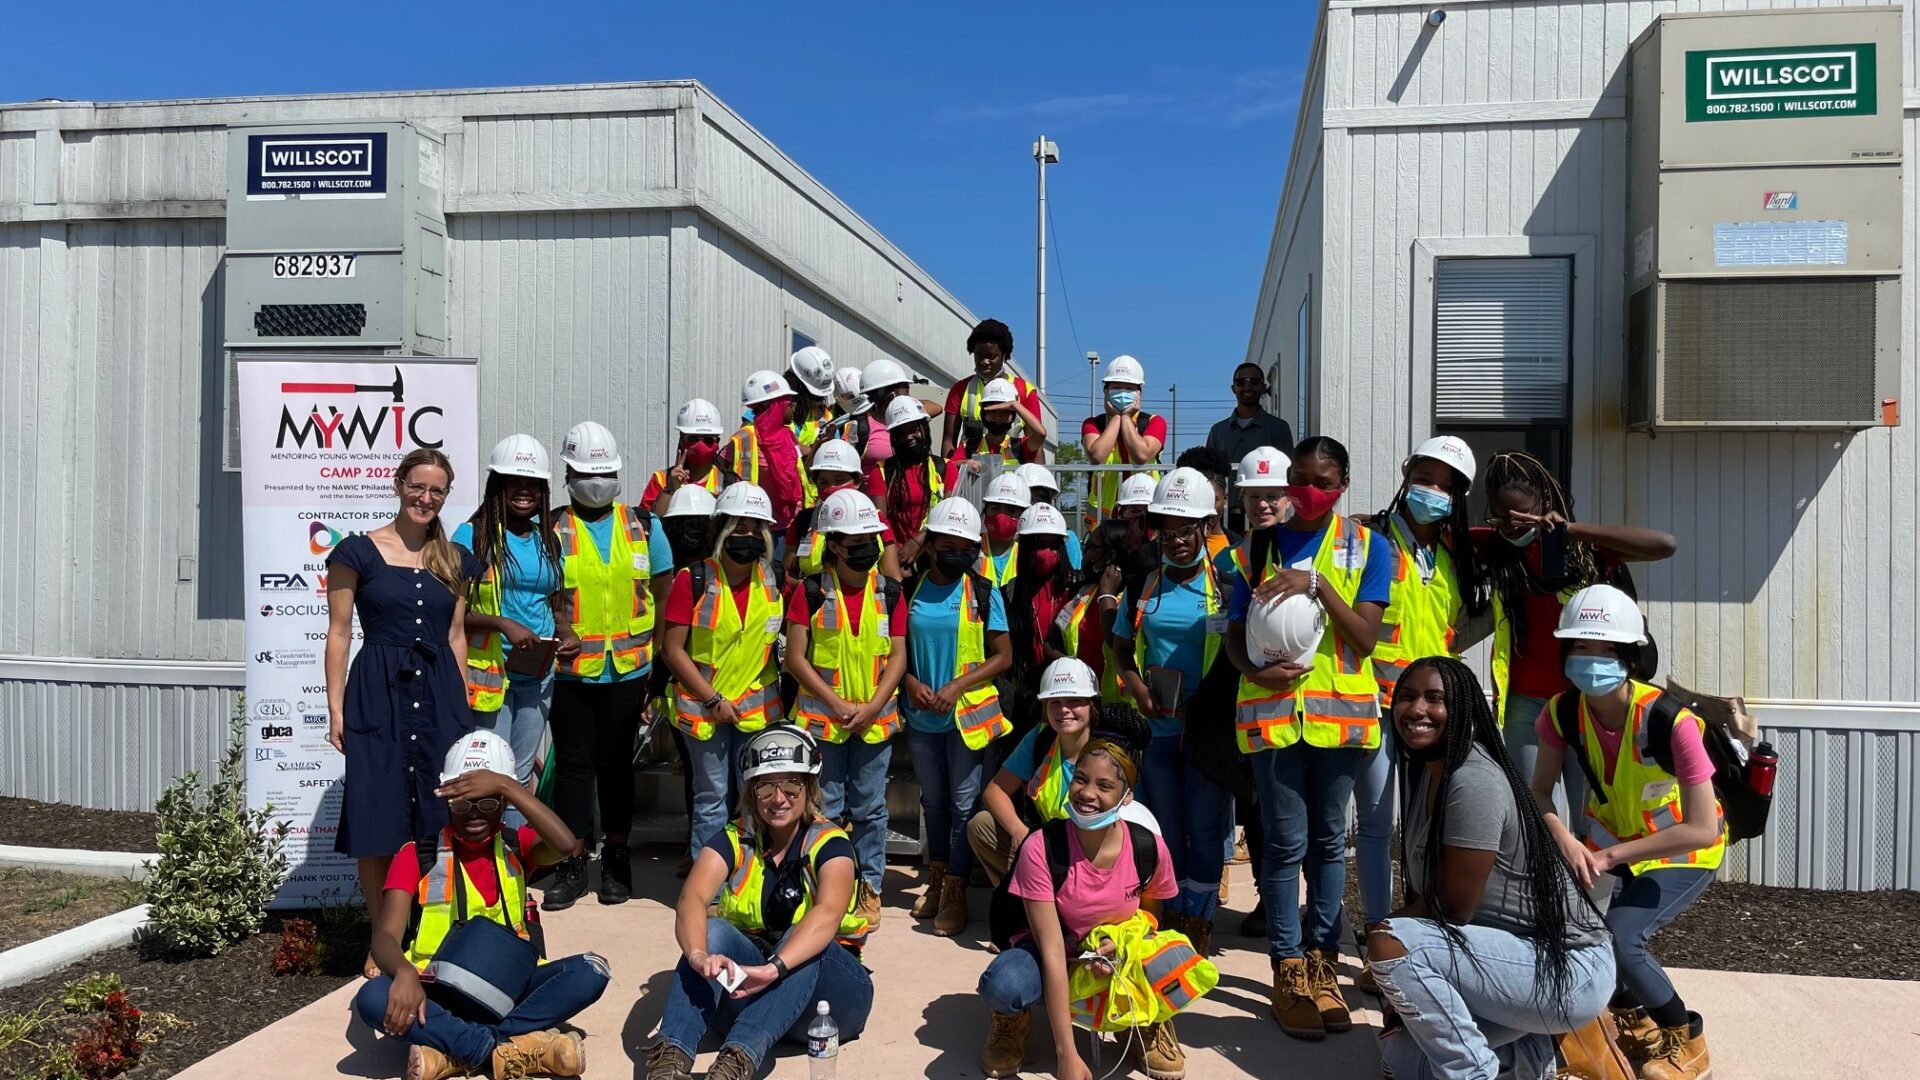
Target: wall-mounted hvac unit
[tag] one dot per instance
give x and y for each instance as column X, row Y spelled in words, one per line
column 1764, row 220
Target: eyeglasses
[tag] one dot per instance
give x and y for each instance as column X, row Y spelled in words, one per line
column 1180, row 532
column 702, row 440
column 487, row 805
column 792, row 789
column 415, row 491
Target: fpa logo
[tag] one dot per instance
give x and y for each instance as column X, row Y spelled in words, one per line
column 282, row 583
column 321, row 537
column 1781, row 200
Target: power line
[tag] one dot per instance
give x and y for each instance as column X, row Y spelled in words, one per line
column 1060, row 268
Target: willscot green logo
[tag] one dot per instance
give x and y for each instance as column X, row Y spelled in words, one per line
column 1781, row 82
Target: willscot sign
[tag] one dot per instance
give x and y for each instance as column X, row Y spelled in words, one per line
column 1781, row 82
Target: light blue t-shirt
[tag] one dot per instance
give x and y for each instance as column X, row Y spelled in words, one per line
column 933, row 643
column 1174, row 623
column 527, row 593
column 1296, row 550
column 659, row 562
column 1073, row 551
column 1024, row 761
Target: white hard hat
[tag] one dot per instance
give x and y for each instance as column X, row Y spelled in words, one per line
column 1185, row 493
column 764, row 385
column 848, row 512
column 744, row 500
column 836, row 455
column 814, row 368
column 1288, row 629
column 1264, row 467
column 954, row 517
column 699, row 417
column 1068, row 677
column 1602, row 613
column 846, row 387
column 1037, row 476
column 904, row 410
column 780, row 750
column 1447, row 449
column 590, row 448
column 520, row 455
column 1041, row 519
column 481, row 748
column 1009, row 490
column 881, row 374
column 1136, row 490
column 1125, row 369
column 999, row 392
column 689, row 500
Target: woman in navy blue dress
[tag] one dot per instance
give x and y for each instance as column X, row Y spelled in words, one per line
column 404, row 702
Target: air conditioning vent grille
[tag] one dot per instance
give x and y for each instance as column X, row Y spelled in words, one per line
column 310, row 320
column 1775, row 350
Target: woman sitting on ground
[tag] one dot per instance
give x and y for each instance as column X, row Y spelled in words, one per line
column 785, row 892
column 1031, row 787
column 1496, row 949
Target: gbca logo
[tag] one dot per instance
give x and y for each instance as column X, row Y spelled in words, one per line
column 283, row 583
column 276, row 732
column 297, row 766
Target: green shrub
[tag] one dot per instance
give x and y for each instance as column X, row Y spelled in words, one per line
column 86, row 993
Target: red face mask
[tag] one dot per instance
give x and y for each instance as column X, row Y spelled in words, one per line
column 1045, row 561
column 1310, row 502
column 699, row 455
column 1002, row 527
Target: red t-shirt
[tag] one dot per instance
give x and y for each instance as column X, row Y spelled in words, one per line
column 1537, row 670
column 680, row 598
column 1156, row 429
column 1092, row 639
column 797, row 610
column 476, row 863
column 908, row 502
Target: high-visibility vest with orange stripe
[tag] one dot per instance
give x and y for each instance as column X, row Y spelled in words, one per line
column 1642, row 798
column 733, row 653
column 486, row 651
column 439, row 907
column 1074, row 616
column 991, row 568
column 850, row 662
column 606, row 599
column 744, row 447
column 739, row 901
column 1155, row 974
column 977, row 714
column 1421, row 610
column 1337, row 703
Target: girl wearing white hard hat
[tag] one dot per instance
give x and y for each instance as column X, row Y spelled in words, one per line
column 836, row 467
column 1084, row 627
column 723, row 618
column 1123, row 433
column 913, row 477
column 1000, row 509
column 969, row 408
column 766, row 453
column 880, row 382
column 1166, row 637
column 1652, row 819
column 695, row 457
column 957, row 646
column 1040, row 590
column 847, row 649
column 687, row 519
column 1004, row 430
column 779, row 881
column 810, row 373
column 1042, row 487
column 1304, row 722
column 1040, row 767
column 852, row 410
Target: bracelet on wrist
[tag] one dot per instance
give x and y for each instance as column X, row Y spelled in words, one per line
column 779, row 967
column 712, row 701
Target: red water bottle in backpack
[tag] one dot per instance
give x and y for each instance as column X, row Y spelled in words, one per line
column 1762, row 764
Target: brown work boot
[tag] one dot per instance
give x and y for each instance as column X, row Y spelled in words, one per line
column 1678, row 1053
column 1293, row 1004
column 426, row 1063
column 1006, row 1048
column 866, row 905
column 928, row 904
column 1637, row 1033
column 1240, row 853
column 541, row 1053
column 1158, row 1052
column 1326, row 992
column 732, row 1063
column 952, row 916
column 1226, row 876
column 666, row 1061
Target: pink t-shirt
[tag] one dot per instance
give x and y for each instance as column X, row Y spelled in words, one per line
column 1691, row 765
column 1090, row 896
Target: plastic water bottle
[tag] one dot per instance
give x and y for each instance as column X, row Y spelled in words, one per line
column 823, row 1045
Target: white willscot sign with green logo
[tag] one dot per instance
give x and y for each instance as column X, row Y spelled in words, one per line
column 1781, row 82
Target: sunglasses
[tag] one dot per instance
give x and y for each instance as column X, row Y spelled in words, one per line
column 792, row 789
column 487, row 805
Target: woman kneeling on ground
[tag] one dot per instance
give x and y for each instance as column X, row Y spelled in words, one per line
column 1090, row 901
column 476, row 868
column 1496, row 949
column 785, row 892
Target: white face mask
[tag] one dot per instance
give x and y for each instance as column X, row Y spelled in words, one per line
column 594, row 492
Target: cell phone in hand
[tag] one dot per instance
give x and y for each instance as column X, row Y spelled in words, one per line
column 732, row 977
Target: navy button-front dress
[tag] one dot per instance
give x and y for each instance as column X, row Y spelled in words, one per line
column 405, row 702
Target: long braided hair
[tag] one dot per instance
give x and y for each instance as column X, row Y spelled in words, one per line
column 1470, row 723
column 489, row 523
column 1474, row 587
column 1512, row 581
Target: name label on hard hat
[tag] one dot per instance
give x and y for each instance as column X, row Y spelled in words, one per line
column 345, row 164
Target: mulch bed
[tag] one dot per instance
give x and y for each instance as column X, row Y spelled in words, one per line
column 39, row 824
column 1777, row 931
column 40, row 903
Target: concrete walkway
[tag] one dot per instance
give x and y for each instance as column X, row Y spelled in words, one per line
column 927, row 1021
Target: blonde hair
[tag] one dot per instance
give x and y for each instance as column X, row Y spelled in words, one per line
column 733, row 525
column 749, row 812
column 441, row 556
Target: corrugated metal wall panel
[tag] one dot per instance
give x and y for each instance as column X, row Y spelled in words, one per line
column 16, row 167
column 569, row 154
column 112, row 747
column 137, row 166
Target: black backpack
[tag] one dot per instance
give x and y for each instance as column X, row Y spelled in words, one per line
column 1007, row 915
column 1746, row 810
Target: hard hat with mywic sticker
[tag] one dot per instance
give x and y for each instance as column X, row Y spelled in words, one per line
column 699, row 417
column 1038, row 476
column 849, row 513
column 904, row 410
column 1068, row 677
column 1008, row 489
column 1184, row 493
column 1125, row 369
column 1041, row 519
column 590, row 448
column 520, row 455
column 689, row 500
column 1288, row 629
column 1602, row 613
column 779, row 750
column 881, row 374
column 814, row 368
column 954, row 517
column 835, row 455
column 1264, row 467
column 764, row 385
column 1136, row 490
column 846, row 390
column 998, row 392
column 1446, row 449
column 477, row 750
column 744, row 500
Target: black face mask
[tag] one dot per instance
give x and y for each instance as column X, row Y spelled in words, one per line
column 745, row 549
column 687, row 537
column 955, row 563
column 998, row 426
column 863, row 556
column 914, row 452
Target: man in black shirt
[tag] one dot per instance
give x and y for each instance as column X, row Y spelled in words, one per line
column 1246, row 429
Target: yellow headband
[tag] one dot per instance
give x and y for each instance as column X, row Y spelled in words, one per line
column 1119, row 755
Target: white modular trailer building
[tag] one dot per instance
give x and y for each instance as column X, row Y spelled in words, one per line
column 1530, row 223
column 606, row 251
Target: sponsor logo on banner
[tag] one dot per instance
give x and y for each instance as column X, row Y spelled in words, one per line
column 296, row 766
column 321, row 537
column 288, row 659
column 270, row 733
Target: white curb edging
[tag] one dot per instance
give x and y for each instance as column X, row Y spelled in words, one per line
column 36, row 958
column 128, row 865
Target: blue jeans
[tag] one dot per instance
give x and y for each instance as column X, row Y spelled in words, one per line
column 1475, row 1012
column 853, row 779
column 949, row 776
column 696, row 1006
column 710, row 764
column 1011, row 983
column 1518, row 714
column 522, row 721
column 1303, row 793
column 1373, row 808
column 559, row 992
column 1193, row 813
column 1642, row 904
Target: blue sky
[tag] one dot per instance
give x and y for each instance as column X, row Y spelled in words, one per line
column 1173, row 125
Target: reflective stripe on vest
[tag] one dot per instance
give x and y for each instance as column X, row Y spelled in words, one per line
column 1215, row 606
column 977, row 714
column 607, row 602
column 1642, row 797
column 1170, row 970
column 733, row 653
column 486, row 651
column 1070, row 620
column 1047, row 787
column 438, row 909
column 745, row 448
column 1503, row 653
column 1000, row 574
column 1420, row 614
column 739, row 900
column 850, row 663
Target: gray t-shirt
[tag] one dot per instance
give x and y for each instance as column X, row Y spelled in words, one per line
column 1482, row 816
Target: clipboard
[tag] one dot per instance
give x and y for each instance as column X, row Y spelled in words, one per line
column 533, row 661
column 1165, row 682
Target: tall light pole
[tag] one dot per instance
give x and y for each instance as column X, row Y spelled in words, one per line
column 1093, row 383
column 1173, row 429
column 1045, row 153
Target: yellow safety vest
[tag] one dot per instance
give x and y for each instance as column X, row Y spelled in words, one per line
column 1420, row 614
column 1155, row 974
column 439, row 908
column 607, row 602
column 1337, row 704
column 734, row 654
column 1642, row 797
column 810, row 556
column 1215, row 607
column 987, row 568
column 744, row 447
column 739, row 901
column 977, row 714
column 851, row 663
column 486, row 651
column 1106, row 485
column 1070, row 620
column 1047, row 787
column 970, row 397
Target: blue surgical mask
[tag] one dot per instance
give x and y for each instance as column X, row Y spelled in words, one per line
column 1523, row 539
column 1093, row 821
column 1596, row 676
column 1198, row 554
column 1428, row 505
column 1123, row 399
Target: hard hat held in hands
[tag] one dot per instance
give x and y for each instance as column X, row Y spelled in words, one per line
column 520, row 455
column 1288, row 630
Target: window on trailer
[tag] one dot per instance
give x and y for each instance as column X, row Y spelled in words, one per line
column 1502, row 355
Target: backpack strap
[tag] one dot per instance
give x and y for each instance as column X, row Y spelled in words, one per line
column 697, row 578
column 1054, row 835
column 1146, row 854
column 982, row 590
column 890, row 598
column 1661, row 716
column 816, row 591
column 1566, row 720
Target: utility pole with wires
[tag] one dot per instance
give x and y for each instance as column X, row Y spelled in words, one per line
column 1045, row 153
column 1173, row 429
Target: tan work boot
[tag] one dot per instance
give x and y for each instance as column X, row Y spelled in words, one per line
column 1326, row 993
column 732, row 1063
column 1226, row 877
column 549, row 1053
column 1006, row 1048
column 1637, row 1033
column 929, row 902
column 666, row 1061
column 866, row 905
column 426, row 1063
column 1293, row 1003
column 1678, row 1054
column 952, row 916
column 1159, row 1052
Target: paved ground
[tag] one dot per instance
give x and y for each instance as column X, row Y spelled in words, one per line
column 927, row 1021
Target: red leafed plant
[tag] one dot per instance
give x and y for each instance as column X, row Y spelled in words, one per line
column 300, row 951
column 113, row 1044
